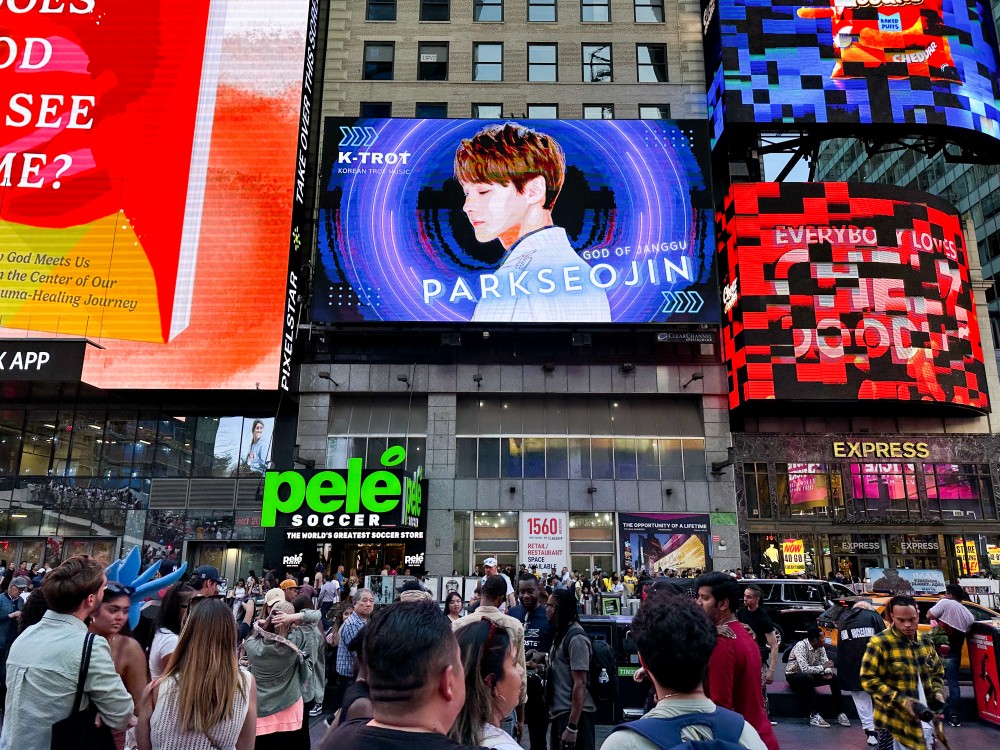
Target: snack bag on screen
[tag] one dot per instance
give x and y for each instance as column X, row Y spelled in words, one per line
column 899, row 38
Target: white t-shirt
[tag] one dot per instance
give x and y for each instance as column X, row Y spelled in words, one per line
column 510, row 590
column 164, row 643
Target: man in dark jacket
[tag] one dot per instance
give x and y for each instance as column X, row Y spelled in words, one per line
column 855, row 628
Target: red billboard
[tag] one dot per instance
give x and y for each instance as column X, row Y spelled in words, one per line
column 847, row 292
column 148, row 172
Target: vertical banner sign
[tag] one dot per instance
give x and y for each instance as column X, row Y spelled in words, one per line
column 983, row 664
column 544, row 540
column 794, row 551
column 301, row 235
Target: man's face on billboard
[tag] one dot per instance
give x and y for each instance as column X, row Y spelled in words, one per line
column 495, row 210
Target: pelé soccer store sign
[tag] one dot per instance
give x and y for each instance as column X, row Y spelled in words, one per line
column 356, row 505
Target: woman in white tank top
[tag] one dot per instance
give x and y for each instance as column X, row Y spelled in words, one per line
column 203, row 701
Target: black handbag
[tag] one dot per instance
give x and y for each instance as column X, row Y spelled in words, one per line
column 77, row 731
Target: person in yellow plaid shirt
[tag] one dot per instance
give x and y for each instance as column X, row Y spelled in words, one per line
column 901, row 669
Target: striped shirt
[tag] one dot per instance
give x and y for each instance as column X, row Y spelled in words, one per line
column 345, row 659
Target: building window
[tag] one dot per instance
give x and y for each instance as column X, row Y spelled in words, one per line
column 652, row 59
column 959, row 492
column 487, row 61
column 597, row 63
column 494, row 534
column 381, row 10
column 375, row 109
column 432, row 62
column 654, row 111
column 598, row 111
column 487, row 11
column 542, row 63
column 578, row 439
column 542, row 10
column 809, row 490
column 435, row 10
column 649, row 11
column 756, row 489
column 379, row 58
column 543, row 111
column 595, row 11
column 487, row 111
column 885, row 491
column 364, row 427
column 432, row 110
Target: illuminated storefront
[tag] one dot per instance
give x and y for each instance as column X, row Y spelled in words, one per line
column 872, row 508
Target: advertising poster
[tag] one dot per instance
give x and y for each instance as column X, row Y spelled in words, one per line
column 547, row 221
column 243, row 446
column 905, row 581
column 544, row 541
column 918, row 65
column 968, row 556
column 794, row 553
column 135, row 212
column 664, row 541
column 994, row 554
column 983, row 664
column 849, row 292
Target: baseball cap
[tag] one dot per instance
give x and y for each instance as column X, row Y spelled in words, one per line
column 411, row 586
column 289, row 584
column 205, row 573
column 273, row 596
column 168, row 566
column 21, row 582
column 490, row 562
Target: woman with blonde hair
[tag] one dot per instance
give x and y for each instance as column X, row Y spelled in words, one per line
column 492, row 686
column 203, row 700
column 278, row 653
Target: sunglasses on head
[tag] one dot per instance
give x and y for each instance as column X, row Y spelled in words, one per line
column 119, row 588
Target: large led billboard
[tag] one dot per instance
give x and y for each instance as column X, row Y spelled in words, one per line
column 537, row 222
column 847, row 292
column 919, row 64
column 148, row 169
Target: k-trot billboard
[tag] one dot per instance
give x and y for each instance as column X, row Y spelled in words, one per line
column 549, row 221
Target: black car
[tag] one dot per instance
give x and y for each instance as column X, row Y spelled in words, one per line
column 794, row 603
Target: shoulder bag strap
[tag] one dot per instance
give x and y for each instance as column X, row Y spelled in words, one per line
column 88, row 645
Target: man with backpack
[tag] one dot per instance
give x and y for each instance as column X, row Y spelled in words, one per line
column 675, row 641
column 571, row 705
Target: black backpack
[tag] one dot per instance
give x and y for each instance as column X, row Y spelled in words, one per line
column 603, row 682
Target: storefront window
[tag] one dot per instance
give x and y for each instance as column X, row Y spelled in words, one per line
column 809, row 490
column 592, row 542
column 756, row 487
column 959, row 491
column 495, row 535
column 460, row 547
column 885, row 490
column 921, row 551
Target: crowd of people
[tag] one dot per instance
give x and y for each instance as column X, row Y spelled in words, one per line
column 200, row 672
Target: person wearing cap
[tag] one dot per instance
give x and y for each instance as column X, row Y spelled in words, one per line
column 955, row 619
column 10, row 612
column 205, row 581
column 412, row 591
column 492, row 568
column 291, row 588
column 492, row 595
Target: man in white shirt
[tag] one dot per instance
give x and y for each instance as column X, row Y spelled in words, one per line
column 511, row 177
column 329, row 594
column 492, row 568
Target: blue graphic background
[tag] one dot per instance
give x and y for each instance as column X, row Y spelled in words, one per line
column 383, row 230
column 773, row 72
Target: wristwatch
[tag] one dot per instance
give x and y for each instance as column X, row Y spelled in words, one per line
column 571, row 727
